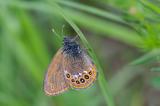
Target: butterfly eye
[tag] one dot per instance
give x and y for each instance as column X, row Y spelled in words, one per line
column 68, row 75
column 86, row 76
column 82, row 80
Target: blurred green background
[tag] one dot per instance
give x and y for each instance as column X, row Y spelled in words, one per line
column 124, row 35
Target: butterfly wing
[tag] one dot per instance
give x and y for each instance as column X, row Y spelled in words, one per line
column 80, row 72
column 54, row 82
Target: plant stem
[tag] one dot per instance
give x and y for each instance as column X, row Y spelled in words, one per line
column 101, row 80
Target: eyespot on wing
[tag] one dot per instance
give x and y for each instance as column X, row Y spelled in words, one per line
column 83, row 80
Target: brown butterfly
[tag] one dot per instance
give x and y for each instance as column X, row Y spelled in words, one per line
column 71, row 67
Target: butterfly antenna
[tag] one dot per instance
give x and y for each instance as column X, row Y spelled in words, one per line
column 53, row 30
column 62, row 32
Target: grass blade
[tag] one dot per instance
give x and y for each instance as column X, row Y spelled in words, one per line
column 102, row 82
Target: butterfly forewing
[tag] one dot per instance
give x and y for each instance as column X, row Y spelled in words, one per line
column 54, row 82
column 80, row 72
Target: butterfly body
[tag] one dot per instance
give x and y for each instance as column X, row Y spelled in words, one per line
column 70, row 68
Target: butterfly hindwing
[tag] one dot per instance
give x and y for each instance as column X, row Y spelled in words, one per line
column 80, row 72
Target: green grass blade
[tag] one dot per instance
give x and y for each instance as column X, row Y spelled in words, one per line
column 155, row 69
column 151, row 6
column 104, row 27
column 102, row 82
column 109, row 29
column 146, row 58
column 91, row 9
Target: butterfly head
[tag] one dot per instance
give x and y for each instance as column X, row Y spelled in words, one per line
column 71, row 47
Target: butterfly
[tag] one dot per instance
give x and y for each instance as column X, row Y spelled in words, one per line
column 71, row 67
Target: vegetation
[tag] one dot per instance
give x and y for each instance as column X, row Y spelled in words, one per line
column 121, row 36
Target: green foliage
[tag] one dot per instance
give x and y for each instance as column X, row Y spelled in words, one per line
column 27, row 44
